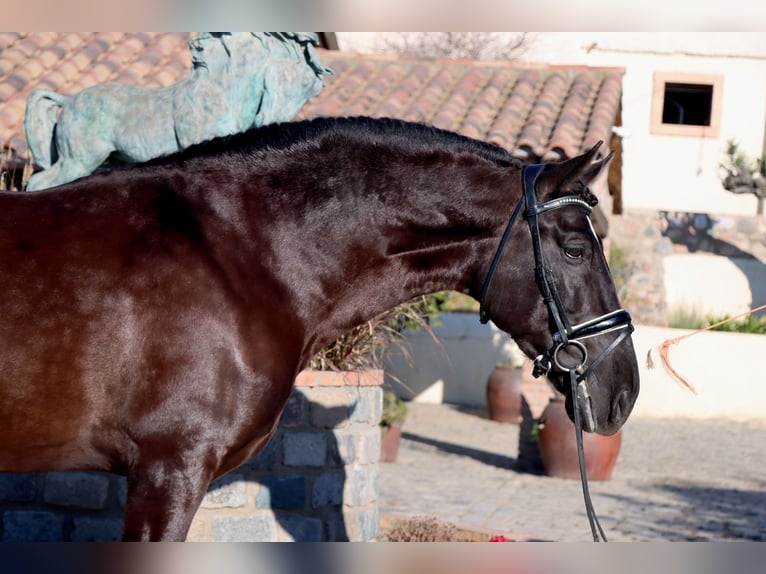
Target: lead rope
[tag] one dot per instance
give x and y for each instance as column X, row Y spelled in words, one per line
column 595, row 525
column 664, row 348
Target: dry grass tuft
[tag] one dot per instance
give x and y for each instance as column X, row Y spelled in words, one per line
column 421, row 529
column 14, row 170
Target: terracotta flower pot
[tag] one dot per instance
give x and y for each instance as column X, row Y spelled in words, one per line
column 558, row 446
column 504, row 394
column 391, row 436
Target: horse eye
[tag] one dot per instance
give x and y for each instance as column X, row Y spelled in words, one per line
column 574, row 252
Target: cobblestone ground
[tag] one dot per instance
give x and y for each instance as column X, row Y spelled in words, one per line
column 675, row 479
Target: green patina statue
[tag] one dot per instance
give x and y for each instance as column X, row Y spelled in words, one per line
column 238, row 80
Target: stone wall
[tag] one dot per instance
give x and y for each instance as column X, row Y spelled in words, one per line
column 316, row 480
column 648, row 236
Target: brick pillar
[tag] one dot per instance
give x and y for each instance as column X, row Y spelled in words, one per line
column 317, row 480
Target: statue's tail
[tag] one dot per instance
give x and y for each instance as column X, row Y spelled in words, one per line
column 40, row 123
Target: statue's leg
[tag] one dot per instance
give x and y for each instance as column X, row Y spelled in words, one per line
column 80, row 152
column 45, row 179
column 61, row 172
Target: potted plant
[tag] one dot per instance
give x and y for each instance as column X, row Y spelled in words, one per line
column 391, row 422
column 504, row 395
column 363, row 348
column 558, row 446
column 744, row 175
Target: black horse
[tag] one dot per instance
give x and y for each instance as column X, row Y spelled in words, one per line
column 153, row 318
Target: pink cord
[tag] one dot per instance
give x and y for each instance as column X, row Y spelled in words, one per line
column 664, row 348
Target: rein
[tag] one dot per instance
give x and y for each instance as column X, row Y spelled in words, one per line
column 565, row 334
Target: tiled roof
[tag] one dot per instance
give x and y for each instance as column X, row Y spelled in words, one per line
column 538, row 113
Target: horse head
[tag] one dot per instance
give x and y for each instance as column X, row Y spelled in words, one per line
column 575, row 329
column 209, row 51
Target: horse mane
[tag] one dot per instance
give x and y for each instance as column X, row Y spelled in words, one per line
column 358, row 129
column 361, row 129
column 582, row 191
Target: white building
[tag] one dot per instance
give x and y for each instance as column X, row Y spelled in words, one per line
column 711, row 87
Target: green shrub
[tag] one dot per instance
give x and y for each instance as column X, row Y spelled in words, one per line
column 690, row 317
column 454, row 302
column 749, row 324
column 621, row 268
column 394, row 409
column 686, row 317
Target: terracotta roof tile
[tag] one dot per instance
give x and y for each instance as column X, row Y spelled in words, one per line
column 93, row 50
column 13, row 56
column 28, row 45
column 48, row 58
column 135, row 43
column 128, row 77
column 17, row 80
column 6, row 91
column 604, row 109
column 484, row 110
column 570, row 127
column 514, row 110
column 68, row 69
column 456, row 106
column 536, row 112
column 70, row 43
column 7, row 39
column 122, row 53
column 426, row 103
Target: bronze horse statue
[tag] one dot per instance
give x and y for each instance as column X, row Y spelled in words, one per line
column 238, row 80
column 154, row 317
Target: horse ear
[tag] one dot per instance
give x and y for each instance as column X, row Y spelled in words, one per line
column 569, row 176
column 595, row 168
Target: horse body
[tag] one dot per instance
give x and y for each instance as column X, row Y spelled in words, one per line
column 154, row 317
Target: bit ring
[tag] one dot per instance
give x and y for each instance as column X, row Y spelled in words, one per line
column 576, row 344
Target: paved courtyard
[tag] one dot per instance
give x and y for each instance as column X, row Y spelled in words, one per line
column 675, row 479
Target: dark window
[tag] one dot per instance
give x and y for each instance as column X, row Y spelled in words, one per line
column 687, row 104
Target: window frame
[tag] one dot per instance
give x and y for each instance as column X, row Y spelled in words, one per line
column 661, row 79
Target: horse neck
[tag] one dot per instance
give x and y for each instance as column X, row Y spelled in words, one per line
column 384, row 235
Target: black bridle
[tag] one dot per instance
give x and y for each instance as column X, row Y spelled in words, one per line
column 565, row 335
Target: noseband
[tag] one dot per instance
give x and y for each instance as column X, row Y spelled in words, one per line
column 565, row 336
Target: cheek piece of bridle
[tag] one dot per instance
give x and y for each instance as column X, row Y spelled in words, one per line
column 565, row 336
